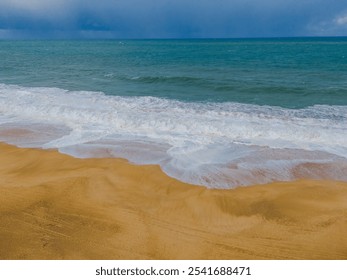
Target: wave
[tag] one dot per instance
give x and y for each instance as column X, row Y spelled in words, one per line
column 212, row 144
column 180, row 80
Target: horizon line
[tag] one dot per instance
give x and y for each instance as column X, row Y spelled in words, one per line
column 171, row 38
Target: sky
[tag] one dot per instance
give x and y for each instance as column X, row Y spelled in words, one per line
column 96, row 19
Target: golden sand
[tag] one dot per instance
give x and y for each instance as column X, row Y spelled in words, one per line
column 53, row 206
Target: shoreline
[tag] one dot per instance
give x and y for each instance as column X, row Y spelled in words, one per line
column 54, row 206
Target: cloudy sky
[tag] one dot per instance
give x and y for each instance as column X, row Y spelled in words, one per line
column 171, row 18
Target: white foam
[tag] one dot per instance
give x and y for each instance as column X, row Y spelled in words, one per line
column 213, row 144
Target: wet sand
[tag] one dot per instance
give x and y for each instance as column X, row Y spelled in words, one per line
column 53, row 206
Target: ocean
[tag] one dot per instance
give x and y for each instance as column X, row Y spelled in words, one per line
column 216, row 113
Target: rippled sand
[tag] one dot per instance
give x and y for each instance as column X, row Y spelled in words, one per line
column 53, row 206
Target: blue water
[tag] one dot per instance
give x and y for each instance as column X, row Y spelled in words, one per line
column 219, row 113
column 291, row 73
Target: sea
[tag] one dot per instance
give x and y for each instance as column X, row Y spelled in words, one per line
column 219, row 113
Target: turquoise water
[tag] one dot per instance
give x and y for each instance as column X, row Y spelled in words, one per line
column 218, row 113
column 291, row 73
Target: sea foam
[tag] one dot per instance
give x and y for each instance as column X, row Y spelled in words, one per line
column 219, row 145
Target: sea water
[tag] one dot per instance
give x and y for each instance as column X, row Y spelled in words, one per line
column 217, row 113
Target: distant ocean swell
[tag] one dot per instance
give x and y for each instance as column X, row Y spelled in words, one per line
column 217, row 145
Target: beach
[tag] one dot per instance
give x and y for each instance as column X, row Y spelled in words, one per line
column 54, row 206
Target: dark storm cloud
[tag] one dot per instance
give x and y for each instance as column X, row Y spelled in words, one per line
column 168, row 18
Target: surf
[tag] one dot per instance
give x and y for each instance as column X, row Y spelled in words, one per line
column 217, row 145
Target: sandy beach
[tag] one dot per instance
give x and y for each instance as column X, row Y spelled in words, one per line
column 53, row 206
